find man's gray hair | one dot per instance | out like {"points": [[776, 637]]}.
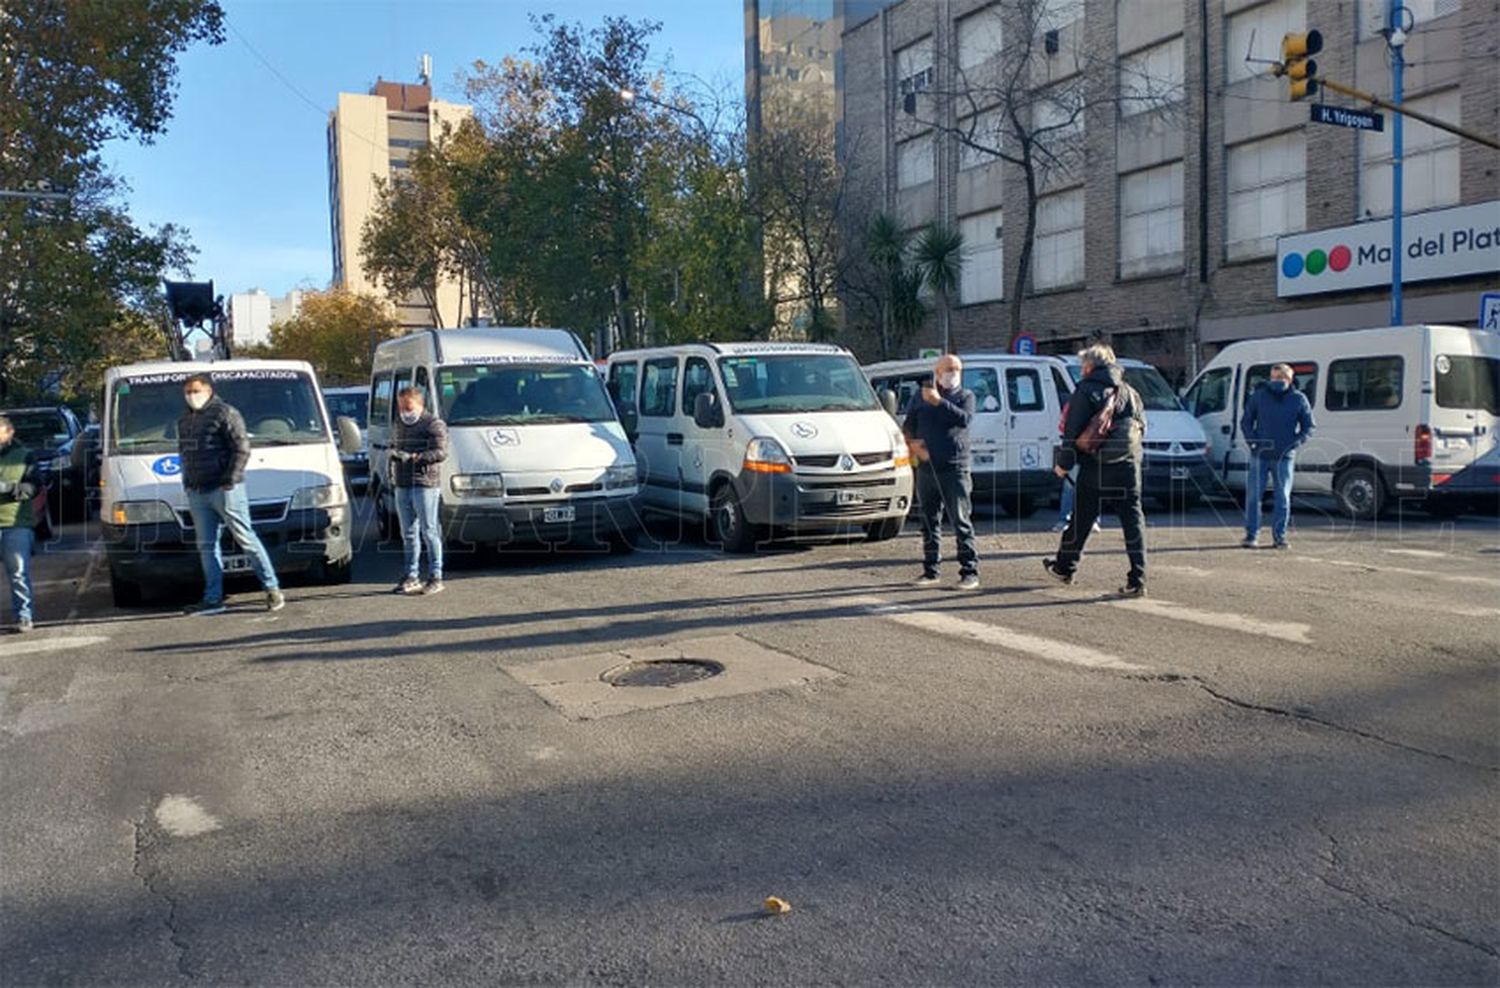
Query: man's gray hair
{"points": [[1285, 370], [1097, 354]]}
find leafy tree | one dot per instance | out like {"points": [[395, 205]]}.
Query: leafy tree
{"points": [[336, 331], [938, 254], [898, 283]]}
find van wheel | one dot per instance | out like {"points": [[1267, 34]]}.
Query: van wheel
{"points": [[882, 531], [383, 523], [1019, 505], [126, 594], [727, 522], [333, 574], [1360, 492], [1439, 506]]}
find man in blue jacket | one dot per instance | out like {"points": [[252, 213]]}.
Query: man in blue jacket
{"points": [[937, 427], [1277, 420]]}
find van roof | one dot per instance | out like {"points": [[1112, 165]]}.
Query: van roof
{"points": [[895, 365], [189, 367], [744, 348], [1356, 335], [506, 342]]}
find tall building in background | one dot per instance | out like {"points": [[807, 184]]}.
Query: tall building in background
{"points": [[253, 313], [373, 137]]}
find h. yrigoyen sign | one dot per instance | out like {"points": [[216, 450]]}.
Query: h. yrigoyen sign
{"points": [[1443, 243]]}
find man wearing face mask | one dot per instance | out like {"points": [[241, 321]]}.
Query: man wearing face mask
{"points": [[214, 447], [1277, 420], [419, 443], [937, 427], [18, 486]]}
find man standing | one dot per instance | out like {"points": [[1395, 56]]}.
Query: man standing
{"points": [[937, 426], [419, 443], [18, 485], [214, 448], [1110, 473], [1277, 420]]}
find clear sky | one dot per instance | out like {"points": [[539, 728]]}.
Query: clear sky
{"points": [[243, 165]]}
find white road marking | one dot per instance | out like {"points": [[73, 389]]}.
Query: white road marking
{"points": [[32, 646], [181, 816], [1483, 581], [1291, 631], [1423, 553]]}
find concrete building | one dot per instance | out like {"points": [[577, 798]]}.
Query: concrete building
{"points": [[253, 313], [1172, 230], [372, 137]]}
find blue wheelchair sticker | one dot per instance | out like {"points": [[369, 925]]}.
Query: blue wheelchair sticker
{"points": [[167, 466]]}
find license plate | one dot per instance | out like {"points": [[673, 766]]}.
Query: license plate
{"points": [[236, 564], [1180, 473], [983, 459], [552, 515], [850, 497]]}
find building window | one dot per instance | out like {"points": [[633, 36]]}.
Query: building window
{"points": [[1057, 113], [914, 68], [1364, 384], [983, 277], [402, 142], [914, 162], [1151, 221], [1054, 15], [1430, 164], [1267, 194], [986, 129], [1152, 78], [1057, 256], [980, 37], [1374, 15], [401, 163], [1264, 25]]}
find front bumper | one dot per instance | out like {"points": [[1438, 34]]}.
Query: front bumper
{"points": [[595, 520], [821, 502], [301, 540], [991, 485], [356, 471], [1174, 476]]}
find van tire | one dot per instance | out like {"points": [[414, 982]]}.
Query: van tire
{"points": [[885, 530], [125, 594], [1018, 505], [383, 521], [727, 524], [1360, 492], [334, 574]]}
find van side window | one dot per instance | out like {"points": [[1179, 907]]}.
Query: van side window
{"points": [[403, 378], [380, 398], [1364, 384], [425, 388], [697, 379], [622, 381], [1305, 379], [1023, 390], [1060, 385], [985, 384], [1210, 393], [659, 387]]}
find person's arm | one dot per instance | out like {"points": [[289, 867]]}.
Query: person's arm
{"points": [[960, 412], [437, 443], [1305, 424], [236, 439], [30, 481], [1250, 421], [1080, 410]]}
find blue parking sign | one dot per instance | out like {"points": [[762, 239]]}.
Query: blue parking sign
{"points": [[1023, 343]]}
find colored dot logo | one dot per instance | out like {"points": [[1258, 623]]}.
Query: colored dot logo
{"points": [[1315, 262]]}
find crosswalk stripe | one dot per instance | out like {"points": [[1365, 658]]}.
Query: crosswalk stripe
{"points": [[1298, 634], [32, 646], [1422, 553], [1482, 581]]}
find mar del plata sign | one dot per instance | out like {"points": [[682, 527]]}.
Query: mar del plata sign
{"points": [[1441, 243]]}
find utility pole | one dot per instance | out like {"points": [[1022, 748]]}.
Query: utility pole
{"points": [[1396, 39]]}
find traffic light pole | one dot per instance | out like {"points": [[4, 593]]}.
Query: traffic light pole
{"points": [[1396, 38]]}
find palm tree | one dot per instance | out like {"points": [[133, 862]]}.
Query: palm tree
{"points": [[939, 256], [885, 247]]}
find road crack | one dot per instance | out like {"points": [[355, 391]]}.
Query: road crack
{"points": [[1309, 718], [145, 868]]}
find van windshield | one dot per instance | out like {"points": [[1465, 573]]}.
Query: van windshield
{"points": [[349, 405], [522, 394], [1471, 383], [796, 383], [1153, 389], [280, 408]]}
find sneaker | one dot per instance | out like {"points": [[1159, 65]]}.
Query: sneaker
{"points": [[205, 608], [925, 580], [24, 625], [1280, 544], [275, 600], [1133, 590], [1050, 565], [410, 585], [1098, 527], [1061, 526], [970, 582], [434, 585], [1250, 542]]}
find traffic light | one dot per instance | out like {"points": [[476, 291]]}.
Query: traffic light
{"points": [[1301, 71]]}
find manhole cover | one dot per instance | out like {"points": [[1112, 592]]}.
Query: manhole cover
{"points": [[662, 672]]}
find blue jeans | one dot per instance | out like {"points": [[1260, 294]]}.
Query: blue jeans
{"points": [[212, 512], [15, 546], [417, 510], [1280, 470], [1065, 501], [942, 492]]}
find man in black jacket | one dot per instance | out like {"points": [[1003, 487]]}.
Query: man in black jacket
{"points": [[1109, 474], [937, 426], [419, 444], [214, 447]]}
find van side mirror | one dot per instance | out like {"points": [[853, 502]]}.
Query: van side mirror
{"points": [[707, 413], [350, 441], [888, 402]]}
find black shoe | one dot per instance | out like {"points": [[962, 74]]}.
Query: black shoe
{"points": [[205, 608], [1050, 565], [1133, 590], [1282, 544]]}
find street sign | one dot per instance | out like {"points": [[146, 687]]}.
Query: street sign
{"points": [[1340, 117], [1489, 311], [929, 353], [1023, 343]]}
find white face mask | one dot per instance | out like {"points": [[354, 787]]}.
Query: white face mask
{"points": [[197, 399], [948, 381], [410, 418]]}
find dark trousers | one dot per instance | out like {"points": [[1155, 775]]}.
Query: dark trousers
{"points": [[1101, 485], [940, 492]]}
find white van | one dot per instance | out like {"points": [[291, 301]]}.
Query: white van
{"points": [[298, 503], [1175, 470], [354, 405], [1018, 404], [536, 453], [1402, 412], [756, 437]]}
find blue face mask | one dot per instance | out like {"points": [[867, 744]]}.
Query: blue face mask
{"points": [[1279, 386]]}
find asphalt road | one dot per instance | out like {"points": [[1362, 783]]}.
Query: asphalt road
{"points": [[1280, 768]]}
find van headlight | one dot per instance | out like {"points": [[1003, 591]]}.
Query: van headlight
{"points": [[477, 484], [766, 455], [324, 496], [617, 477], [900, 452], [141, 513]]}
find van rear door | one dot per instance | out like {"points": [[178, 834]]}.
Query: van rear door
{"points": [[1465, 402]]}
